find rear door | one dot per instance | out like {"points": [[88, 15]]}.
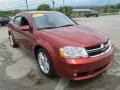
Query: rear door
{"points": [[15, 28]]}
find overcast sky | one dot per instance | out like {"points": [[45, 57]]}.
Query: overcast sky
{"points": [[20, 4]]}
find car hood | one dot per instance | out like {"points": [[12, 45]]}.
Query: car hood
{"points": [[77, 35]]}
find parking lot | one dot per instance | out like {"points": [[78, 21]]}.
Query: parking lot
{"points": [[18, 69]]}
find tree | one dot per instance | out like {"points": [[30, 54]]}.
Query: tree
{"points": [[110, 9], [9, 12], [118, 6], [44, 7], [105, 9], [67, 10]]}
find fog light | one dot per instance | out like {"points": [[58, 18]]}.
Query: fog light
{"points": [[75, 74]]}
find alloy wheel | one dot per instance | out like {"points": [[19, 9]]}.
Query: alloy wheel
{"points": [[43, 62]]}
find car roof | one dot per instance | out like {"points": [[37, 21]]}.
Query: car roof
{"points": [[36, 12]]}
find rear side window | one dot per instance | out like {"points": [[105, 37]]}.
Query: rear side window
{"points": [[18, 21]]}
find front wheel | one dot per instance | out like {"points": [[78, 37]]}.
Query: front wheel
{"points": [[45, 63]]}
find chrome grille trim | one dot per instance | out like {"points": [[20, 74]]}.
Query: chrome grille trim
{"points": [[101, 49]]}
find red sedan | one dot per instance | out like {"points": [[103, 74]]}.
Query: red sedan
{"points": [[60, 45]]}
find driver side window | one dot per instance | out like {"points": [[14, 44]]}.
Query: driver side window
{"points": [[24, 21]]}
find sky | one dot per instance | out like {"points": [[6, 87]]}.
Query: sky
{"points": [[20, 4]]}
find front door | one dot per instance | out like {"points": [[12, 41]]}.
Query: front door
{"points": [[26, 37]]}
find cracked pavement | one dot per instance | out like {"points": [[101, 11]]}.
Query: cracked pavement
{"points": [[18, 70]]}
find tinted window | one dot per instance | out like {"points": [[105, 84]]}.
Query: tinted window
{"points": [[18, 21], [24, 21]]}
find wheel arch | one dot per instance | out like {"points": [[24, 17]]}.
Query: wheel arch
{"points": [[49, 49]]}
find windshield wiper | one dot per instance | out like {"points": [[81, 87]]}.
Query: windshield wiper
{"points": [[47, 27], [67, 25], [56, 27]]}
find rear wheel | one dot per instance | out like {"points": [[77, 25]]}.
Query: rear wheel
{"points": [[12, 41], [45, 63]]}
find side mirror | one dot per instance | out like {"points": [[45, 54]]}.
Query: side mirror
{"points": [[25, 28]]}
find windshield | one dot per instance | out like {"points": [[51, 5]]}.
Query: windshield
{"points": [[52, 20]]}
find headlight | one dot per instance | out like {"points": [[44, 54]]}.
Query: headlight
{"points": [[73, 52]]}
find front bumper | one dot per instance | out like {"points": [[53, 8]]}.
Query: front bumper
{"points": [[91, 74], [84, 68]]}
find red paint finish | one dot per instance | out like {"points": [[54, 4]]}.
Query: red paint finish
{"points": [[54, 39], [89, 65]]}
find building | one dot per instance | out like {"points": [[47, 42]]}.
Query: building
{"points": [[77, 13]]}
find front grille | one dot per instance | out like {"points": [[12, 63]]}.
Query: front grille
{"points": [[98, 49], [93, 47]]}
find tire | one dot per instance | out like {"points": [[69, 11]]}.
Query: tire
{"points": [[12, 41], [45, 63], [2, 24]]}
